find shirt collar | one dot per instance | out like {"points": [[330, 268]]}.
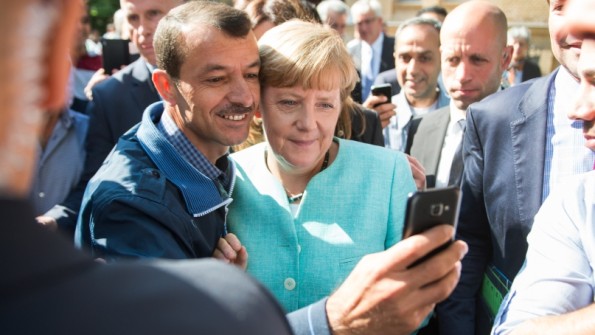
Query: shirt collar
{"points": [[201, 194], [182, 144]]}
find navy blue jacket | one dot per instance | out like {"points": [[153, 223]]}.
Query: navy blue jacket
{"points": [[147, 201]]}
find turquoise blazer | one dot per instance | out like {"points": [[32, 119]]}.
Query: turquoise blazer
{"points": [[353, 208]]}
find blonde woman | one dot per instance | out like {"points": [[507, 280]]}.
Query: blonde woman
{"points": [[308, 205]]}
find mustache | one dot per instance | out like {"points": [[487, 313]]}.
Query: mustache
{"points": [[237, 109]]}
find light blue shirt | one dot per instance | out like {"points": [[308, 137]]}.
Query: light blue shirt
{"points": [[565, 151], [395, 134], [60, 163], [558, 274]]}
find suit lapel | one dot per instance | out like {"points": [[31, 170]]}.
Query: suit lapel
{"points": [[528, 146], [143, 92], [429, 138]]}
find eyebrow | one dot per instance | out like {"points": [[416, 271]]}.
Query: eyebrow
{"points": [[217, 67]]}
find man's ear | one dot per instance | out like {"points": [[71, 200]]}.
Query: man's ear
{"points": [[507, 56], [165, 86], [60, 43]]}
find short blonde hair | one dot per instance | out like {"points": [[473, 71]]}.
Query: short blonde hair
{"points": [[298, 53]]}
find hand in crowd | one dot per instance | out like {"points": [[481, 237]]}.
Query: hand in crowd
{"points": [[382, 106], [419, 173], [382, 296], [48, 222], [97, 78], [230, 250]]}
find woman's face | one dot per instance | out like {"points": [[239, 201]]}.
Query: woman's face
{"points": [[299, 124]]}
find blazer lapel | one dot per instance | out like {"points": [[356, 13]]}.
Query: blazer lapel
{"points": [[143, 92], [528, 139], [429, 138]]}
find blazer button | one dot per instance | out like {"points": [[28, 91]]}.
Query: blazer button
{"points": [[155, 173], [289, 284]]}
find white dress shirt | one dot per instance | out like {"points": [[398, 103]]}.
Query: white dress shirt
{"points": [[557, 277], [454, 136]]}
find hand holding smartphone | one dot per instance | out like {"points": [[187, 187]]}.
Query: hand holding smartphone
{"points": [[115, 54], [382, 90], [426, 209]]}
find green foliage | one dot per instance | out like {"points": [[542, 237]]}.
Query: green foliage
{"points": [[102, 12]]}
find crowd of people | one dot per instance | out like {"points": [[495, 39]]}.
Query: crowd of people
{"points": [[245, 158]]}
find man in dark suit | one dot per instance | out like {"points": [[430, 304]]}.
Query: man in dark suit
{"points": [[519, 146], [117, 105], [474, 54], [372, 51], [521, 67]]}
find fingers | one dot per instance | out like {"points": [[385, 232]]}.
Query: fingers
{"points": [[385, 112], [418, 172], [374, 100], [48, 222], [442, 288], [407, 251], [439, 265], [230, 250]]}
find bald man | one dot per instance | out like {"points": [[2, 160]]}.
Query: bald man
{"points": [[560, 259], [519, 145], [473, 56]]}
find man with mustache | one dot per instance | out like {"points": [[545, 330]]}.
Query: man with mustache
{"points": [[519, 146], [163, 191], [561, 243]]}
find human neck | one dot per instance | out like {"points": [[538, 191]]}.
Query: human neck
{"points": [[295, 181], [422, 101]]}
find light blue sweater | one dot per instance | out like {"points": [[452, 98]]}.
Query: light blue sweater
{"points": [[354, 207]]}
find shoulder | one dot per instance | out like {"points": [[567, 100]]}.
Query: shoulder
{"points": [[122, 78]]}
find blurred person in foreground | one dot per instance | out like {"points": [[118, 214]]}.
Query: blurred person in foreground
{"points": [[560, 257], [46, 285], [117, 104]]}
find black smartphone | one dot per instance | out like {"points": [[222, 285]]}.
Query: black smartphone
{"points": [[115, 54], [382, 89], [426, 209]]}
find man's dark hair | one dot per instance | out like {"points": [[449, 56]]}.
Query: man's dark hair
{"points": [[432, 9], [169, 40]]}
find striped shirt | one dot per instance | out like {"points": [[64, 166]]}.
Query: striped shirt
{"points": [[218, 172], [565, 152]]}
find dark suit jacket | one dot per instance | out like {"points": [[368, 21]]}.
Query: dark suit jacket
{"points": [[48, 286], [118, 104], [530, 71], [365, 126], [504, 153], [387, 61], [425, 141], [389, 77]]}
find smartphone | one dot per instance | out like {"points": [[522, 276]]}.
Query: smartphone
{"points": [[382, 89], [115, 54], [426, 209]]}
